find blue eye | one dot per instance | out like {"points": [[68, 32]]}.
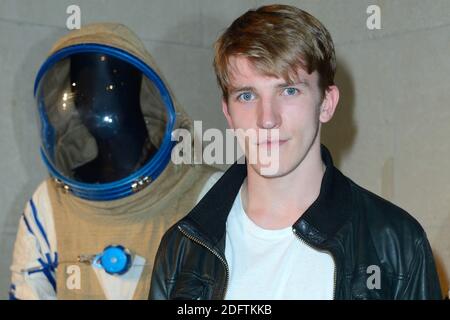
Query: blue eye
{"points": [[246, 96], [290, 92]]}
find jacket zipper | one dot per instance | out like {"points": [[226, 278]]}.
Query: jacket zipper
{"points": [[334, 261], [213, 252]]}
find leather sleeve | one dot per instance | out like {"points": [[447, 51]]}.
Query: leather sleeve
{"points": [[158, 286], [423, 281]]}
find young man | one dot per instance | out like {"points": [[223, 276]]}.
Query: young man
{"points": [[305, 231]]}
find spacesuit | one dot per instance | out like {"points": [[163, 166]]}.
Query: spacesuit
{"points": [[106, 118]]}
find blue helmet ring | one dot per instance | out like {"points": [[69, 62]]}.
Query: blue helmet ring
{"points": [[94, 141]]}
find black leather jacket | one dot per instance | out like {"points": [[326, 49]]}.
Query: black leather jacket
{"points": [[358, 228]]}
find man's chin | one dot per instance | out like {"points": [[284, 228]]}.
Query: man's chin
{"points": [[269, 171]]}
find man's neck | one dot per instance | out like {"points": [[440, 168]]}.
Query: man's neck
{"points": [[276, 203]]}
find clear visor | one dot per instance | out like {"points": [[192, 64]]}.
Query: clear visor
{"points": [[101, 119]]}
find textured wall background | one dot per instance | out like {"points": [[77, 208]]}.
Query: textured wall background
{"points": [[390, 134]]}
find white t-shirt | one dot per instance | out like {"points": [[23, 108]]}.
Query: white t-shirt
{"points": [[273, 264]]}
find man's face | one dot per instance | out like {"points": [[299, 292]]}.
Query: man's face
{"points": [[267, 104]]}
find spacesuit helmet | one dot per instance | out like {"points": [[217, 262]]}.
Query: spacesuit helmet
{"points": [[106, 119]]}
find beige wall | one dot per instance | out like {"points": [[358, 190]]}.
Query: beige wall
{"points": [[390, 134]]}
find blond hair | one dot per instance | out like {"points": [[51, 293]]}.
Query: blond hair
{"points": [[277, 39]]}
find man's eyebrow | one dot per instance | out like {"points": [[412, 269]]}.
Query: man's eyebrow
{"points": [[302, 82], [240, 89]]}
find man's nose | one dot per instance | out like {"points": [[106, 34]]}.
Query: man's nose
{"points": [[268, 114]]}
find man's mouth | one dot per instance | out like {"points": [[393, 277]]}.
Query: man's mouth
{"points": [[272, 142]]}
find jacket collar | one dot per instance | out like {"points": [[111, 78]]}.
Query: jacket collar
{"points": [[319, 222], [332, 208]]}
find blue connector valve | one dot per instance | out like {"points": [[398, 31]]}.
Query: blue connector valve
{"points": [[115, 260]]}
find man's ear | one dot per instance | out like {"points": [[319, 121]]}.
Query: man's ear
{"points": [[227, 113], [329, 104]]}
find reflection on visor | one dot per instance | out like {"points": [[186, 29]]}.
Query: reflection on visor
{"points": [[107, 120]]}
